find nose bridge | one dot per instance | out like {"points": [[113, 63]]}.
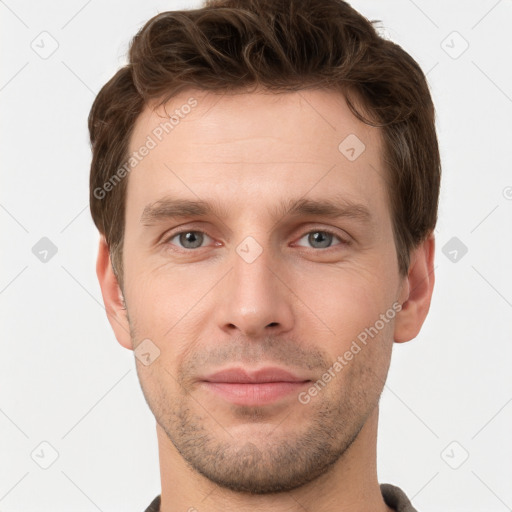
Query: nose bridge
{"points": [[252, 277], [255, 300]]}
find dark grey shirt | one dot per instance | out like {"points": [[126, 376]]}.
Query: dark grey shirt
{"points": [[393, 496]]}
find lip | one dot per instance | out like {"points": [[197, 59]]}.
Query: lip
{"points": [[263, 375], [241, 386]]}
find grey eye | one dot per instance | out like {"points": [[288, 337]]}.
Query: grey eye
{"points": [[320, 239], [189, 239]]}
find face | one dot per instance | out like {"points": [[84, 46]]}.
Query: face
{"points": [[259, 261]]}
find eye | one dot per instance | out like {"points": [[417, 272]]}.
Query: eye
{"points": [[188, 239], [321, 239]]}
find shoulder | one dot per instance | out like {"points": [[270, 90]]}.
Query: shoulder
{"points": [[395, 498], [155, 505]]}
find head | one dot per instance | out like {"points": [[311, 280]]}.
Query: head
{"points": [[265, 178]]}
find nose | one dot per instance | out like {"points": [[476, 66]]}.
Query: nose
{"points": [[254, 300]]}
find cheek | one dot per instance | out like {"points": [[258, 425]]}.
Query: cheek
{"points": [[351, 306], [165, 306], [158, 298], [345, 299]]}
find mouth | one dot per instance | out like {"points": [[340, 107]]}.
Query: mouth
{"points": [[254, 388]]}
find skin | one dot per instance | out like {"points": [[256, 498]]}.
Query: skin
{"points": [[299, 305]]}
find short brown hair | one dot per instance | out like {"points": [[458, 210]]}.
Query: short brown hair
{"points": [[281, 45]]}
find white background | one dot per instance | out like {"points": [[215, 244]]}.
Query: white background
{"points": [[65, 380]]}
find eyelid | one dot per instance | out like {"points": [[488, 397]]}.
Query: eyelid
{"points": [[343, 240], [167, 237]]}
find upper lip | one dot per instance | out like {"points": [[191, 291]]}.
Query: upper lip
{"points": [[242, 375]]}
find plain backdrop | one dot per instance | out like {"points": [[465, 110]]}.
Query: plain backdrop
{"points": [[69, 395]]}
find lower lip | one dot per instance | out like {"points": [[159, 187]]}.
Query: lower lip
{"points": [[254, 393]]}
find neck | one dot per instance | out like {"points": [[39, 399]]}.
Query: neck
{"points": [[350, 485]]}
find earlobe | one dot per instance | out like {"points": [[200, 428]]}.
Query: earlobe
{"points": [[112, 296], [416, 292]]}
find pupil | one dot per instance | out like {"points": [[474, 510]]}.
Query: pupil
{"points": [[320, 238], [191, 240]]}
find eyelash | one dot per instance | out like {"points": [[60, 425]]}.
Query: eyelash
{"points": [[342, 241]]}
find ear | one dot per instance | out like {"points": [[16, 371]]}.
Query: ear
{"points": [[112, 296], [416, 292]]}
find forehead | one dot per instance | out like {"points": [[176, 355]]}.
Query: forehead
{"points": [[238, 146]]}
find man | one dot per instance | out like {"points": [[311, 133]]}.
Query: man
{"points": [[265, 179]]}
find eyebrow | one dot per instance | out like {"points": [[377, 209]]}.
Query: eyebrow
{"points": [[174, 208]]}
